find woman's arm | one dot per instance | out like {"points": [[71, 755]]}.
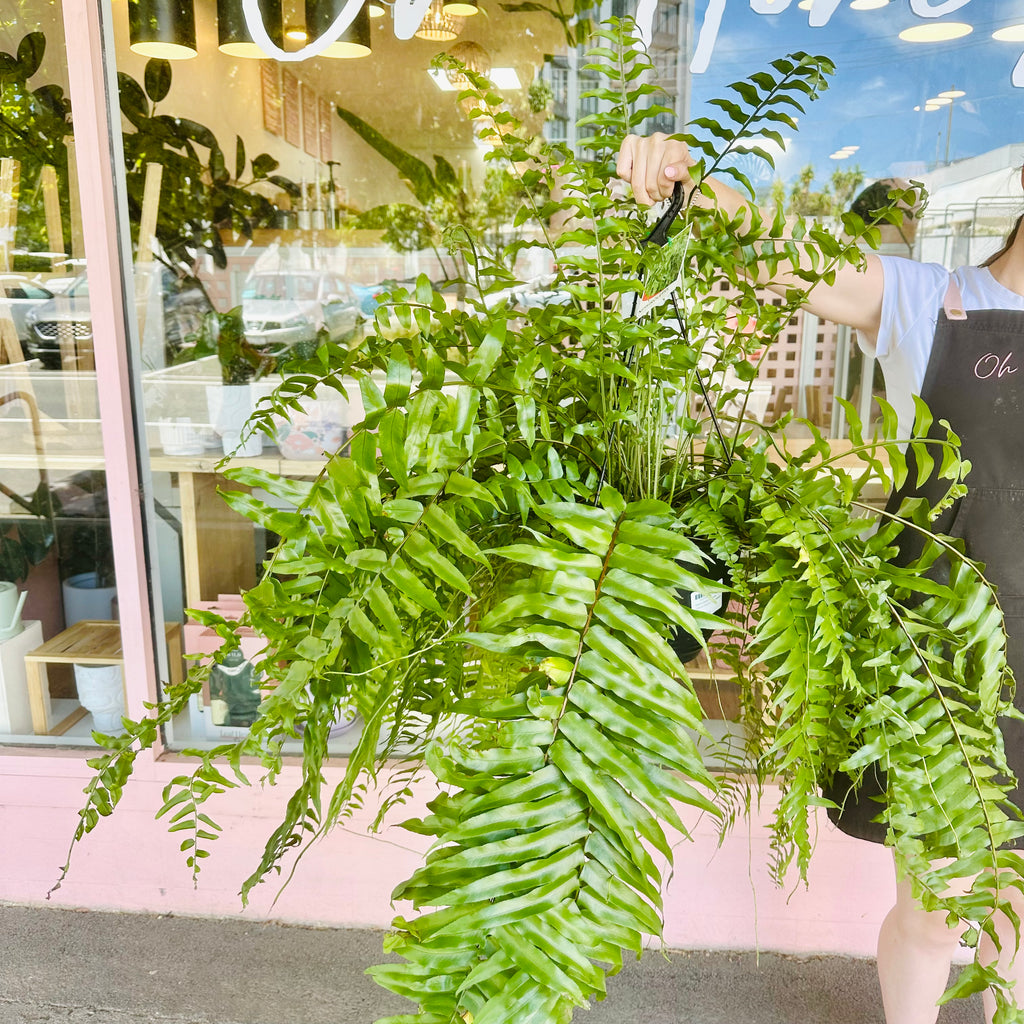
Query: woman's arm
{"points": [[654, 164]]}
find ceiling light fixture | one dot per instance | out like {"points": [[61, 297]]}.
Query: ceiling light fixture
{"points": [[461, 8], [296, 33], [936, 32], [1010, 34], [933, 106], [233, 34], [438, 26], [952, 94], [839, 155], [501, 78], [353, 42], [473, 57], [868, 5], [162, 28], [939, 101], [377, 10], [805, 5]]}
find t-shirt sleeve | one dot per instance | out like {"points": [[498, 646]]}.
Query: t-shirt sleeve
{"points": [[912, 295]]}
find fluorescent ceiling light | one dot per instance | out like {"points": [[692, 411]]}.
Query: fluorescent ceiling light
{"points": [[952, 94], [848, 149], [867, 5], [1010, 34], [840, 155], [441, 80], [936, 32], [939, 101], [933, 106], [505, 78], [502, 78]]}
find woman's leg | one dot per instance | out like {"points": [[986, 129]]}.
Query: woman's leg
{"points": [[1011, 963], [915, 949]]}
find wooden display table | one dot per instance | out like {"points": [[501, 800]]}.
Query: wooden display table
{"points": [[90, 642]]}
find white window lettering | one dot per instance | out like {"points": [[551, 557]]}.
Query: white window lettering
{"points": [[407, 15], [645, 19], [821, 12], [924, 9], [254, 23], [707, 38], [1018, 73], [769, 6]]}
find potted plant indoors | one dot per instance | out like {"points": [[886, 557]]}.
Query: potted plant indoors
{"points": [[491, 571], [231, 403]]}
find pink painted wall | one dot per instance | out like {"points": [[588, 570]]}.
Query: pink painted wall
{"points": [[716, 899]]}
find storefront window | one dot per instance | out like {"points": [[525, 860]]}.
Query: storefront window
{"points": [[272, 202], [60, 646]]}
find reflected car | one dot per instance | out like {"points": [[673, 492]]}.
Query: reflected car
{"points": [[63, 319], [281, 309], [18, 295], [67, 318]]}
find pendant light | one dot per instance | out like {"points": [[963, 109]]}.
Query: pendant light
{"points": [[461, 8], [233, 36], [438, 26], [354, 41], [162, 28], [473, 57]]}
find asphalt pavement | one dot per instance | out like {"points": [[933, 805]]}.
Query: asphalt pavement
{"points": [[62, 966]]}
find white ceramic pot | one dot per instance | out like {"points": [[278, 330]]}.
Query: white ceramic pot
{"points": [[180, 436], [230, 406], [84, 598], [101, 693]]}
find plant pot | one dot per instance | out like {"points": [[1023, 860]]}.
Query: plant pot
{"points": [[101, 693], [319, 430], [180, 436], [230, 406], [84, 598], [685, 644]]}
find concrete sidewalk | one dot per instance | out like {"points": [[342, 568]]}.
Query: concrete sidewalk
{"points": [[86, 967]]}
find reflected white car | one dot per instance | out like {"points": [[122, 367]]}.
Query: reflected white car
{"points": [[19, 294], [281, 309]]}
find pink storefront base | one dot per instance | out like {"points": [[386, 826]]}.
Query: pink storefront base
{"points": [[717, 898]]}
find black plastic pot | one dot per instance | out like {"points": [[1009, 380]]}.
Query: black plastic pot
{"points": [[685, 644]]}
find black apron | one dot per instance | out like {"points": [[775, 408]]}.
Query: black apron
{"points": [[975, 381]]}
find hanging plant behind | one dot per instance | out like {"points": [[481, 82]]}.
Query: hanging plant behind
{"points": [[492, 570]]}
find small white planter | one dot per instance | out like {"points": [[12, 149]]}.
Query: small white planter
{"points": [[101, 693], [84, 598], [230, 406], [180, 436]]}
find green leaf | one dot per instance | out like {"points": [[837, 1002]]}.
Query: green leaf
{"points": [[157, 79]]}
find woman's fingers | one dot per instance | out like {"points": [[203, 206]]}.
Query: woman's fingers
{"points": [[653, 165]]}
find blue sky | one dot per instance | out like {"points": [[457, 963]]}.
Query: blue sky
{"points": [[879, 80]]}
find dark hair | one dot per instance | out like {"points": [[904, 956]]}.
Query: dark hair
{"points": [[1008, 244]]}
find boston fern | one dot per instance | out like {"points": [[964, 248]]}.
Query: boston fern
{"points": [[493, 569]]}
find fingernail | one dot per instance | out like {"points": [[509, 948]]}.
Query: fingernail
{"points": [[670, 172]]}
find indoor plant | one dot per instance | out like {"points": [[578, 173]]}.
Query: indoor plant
{"points": [[490, 570], [230, 403]]}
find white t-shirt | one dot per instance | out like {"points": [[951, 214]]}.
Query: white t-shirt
{"points": [[911, 300]]}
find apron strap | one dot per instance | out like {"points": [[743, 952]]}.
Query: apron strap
{"points": [[953, 303]]}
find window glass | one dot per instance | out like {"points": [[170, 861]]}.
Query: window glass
{"points": [[272, 203], [292, 195], [60, 672]]}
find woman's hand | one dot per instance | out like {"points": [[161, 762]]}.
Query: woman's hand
{"points": [[653, 165]]}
